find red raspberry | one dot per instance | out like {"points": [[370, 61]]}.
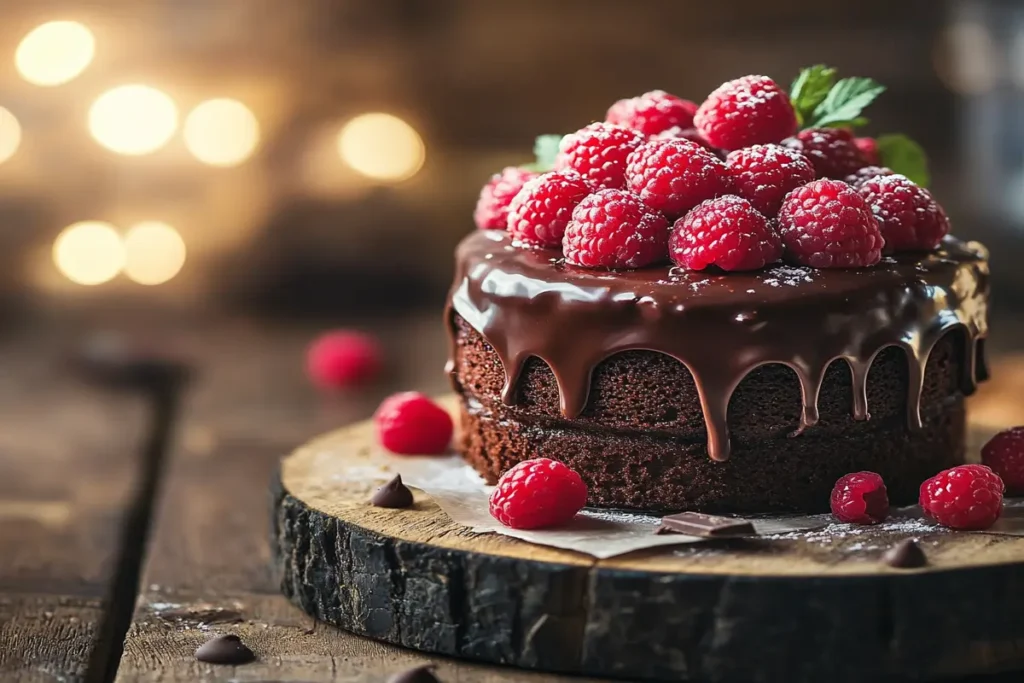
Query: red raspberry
{"points": [[538, 493], [652, 112], [409, 423], [492, 208], [598, 153], [1004, 453], [869, 150], [673, 176], [964, 497], [747, 111], [726, 232], [867, 173], [539, 213], [826, 224], [343, 358], [765, 174], [614, 229], [831, 150], [691, 134], [860, 498], [911, 220]]}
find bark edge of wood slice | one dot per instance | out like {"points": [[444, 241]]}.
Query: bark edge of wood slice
{"points": [[738, 613]]}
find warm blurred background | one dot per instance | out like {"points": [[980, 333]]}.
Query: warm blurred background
{"points": [[323, 156]]}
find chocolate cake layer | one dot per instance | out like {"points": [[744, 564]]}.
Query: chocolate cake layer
{"points": [[638, 377]]}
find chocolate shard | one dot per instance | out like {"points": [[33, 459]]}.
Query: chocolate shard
{"points": [[393, 494], [906, 554], [706, 526], [225, 649], [419, 674]]}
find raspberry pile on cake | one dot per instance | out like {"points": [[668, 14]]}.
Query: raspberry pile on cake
{"points": [[722, 307]]}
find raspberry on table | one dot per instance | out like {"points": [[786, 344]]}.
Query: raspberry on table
{"points": [[827, 224], [538, 493], [1004, 453], [860, 498], [652, 112], [748, 111], [964, 497], [614, 229], [673, 176], [409, 423], [343, 358], [726, 232], [869, 150], [910, 218], [539, 213], [867, 173], [598, 152], [765, 174], [492, 207], [831, 150]]}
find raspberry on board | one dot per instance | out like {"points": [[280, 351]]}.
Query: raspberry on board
{"points": [[492, 207], [538, 493], [726, 232], [860, 498], [765, 174], [653, 112], [910, 218], [1004, 453], [409, 423], [539, 213], [965, 497], [614, 229], [343, 358], [867, 173], [748, 111], [831, 150], [827, 224], [673, 176], [869, 150], [598, 152]]}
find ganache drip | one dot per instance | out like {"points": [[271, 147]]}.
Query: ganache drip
{"points": [[530, 303]]}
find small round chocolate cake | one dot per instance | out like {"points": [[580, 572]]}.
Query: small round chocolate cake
{"points": [[671, 389]]}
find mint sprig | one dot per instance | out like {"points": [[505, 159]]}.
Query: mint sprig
{"points": [[545, 149], [821, 101], [809, 90], [904, 156]]}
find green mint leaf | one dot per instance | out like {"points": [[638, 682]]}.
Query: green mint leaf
{"points": [[545, 148], [845, 102], [904, 156], [810, 88]]}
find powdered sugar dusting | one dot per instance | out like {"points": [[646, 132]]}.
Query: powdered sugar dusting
{"points": [[787, 276]]}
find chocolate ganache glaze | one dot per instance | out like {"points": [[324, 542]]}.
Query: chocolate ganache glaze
{"points": [[528, 302]]}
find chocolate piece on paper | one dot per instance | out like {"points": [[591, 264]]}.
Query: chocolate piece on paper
{"points": [[705, 526], [906, 554]]}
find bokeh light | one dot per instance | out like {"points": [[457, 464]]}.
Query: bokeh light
{"points": [[154, 253], [10, 135], [966, 58], [133, 119], [89, 253], [381, 146], [54, 53], [221, 132]]}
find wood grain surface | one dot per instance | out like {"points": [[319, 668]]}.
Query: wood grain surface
{"points": [[70, 470]]}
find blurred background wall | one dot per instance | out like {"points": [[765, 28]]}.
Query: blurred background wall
{"points": [[323, 156]]}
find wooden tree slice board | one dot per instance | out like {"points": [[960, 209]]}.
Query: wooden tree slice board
{"points": [[806, 609]]}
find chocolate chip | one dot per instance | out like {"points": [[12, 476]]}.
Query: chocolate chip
{"points": [[393, 494], [224, 649], [419, 674], [906, 554]]}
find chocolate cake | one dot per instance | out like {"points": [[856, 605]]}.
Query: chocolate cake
{"points": [[669, 389]]}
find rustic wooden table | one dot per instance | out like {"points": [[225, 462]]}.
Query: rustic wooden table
{"points": [[133, 523]]}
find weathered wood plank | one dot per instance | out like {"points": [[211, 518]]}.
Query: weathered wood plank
{"points": [[69, 476], [208, 569]]}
